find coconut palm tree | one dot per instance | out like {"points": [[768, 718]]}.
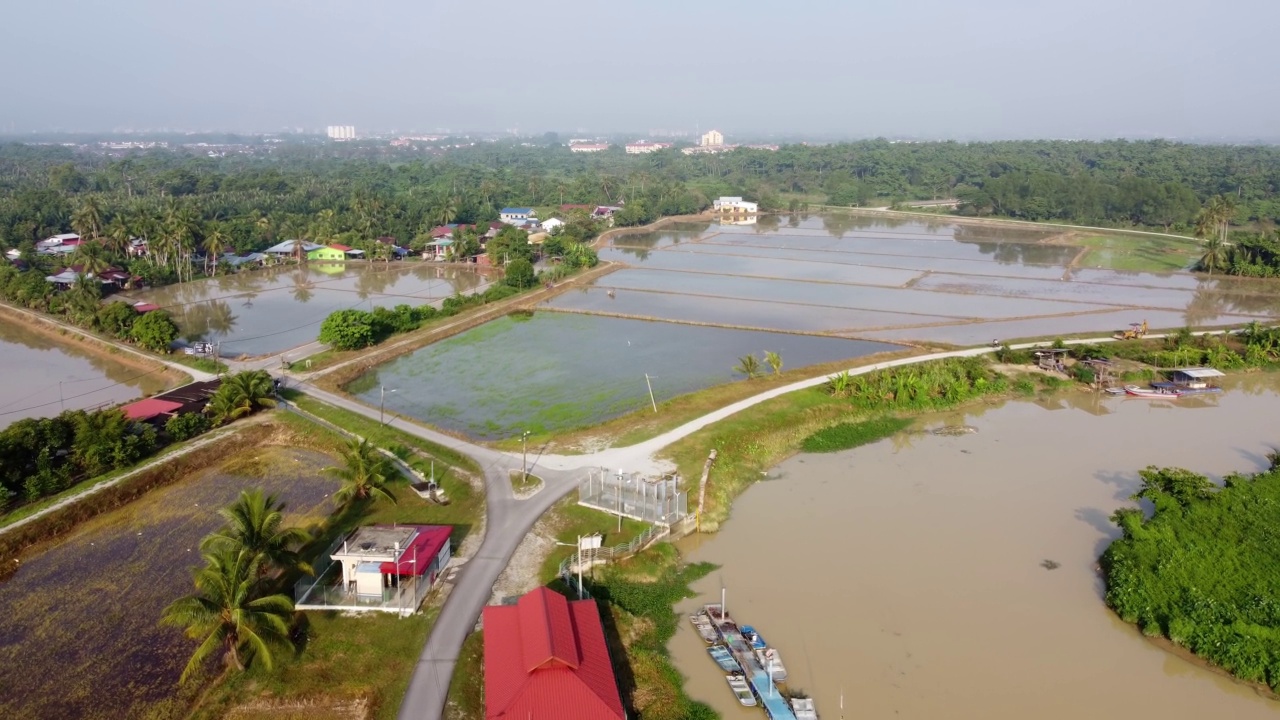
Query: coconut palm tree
{"points": [[254, 523], [748, 365], [92, 258], [117, 236], [774, 361], [87, 219], [241, 394], [364, 473], [230, 612], [1212, 225], [215, 243]]}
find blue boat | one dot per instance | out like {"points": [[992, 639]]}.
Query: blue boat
{"points": [[751, 636], [724, 658]]}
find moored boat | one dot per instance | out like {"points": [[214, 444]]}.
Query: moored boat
{"points": [[741, 689], [724, 658], [804, 708], [702, 624], [771, 661], [1151, 393], [751, 636]]}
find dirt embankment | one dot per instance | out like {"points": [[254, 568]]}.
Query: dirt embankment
{"points": [[88, 342]]}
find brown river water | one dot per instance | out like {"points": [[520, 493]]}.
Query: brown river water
{"points": [[908, 574]]}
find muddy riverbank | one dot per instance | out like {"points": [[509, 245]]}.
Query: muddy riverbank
{"points": [[937, 576]]}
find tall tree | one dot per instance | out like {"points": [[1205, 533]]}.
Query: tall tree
{"points": [[364, 473], [231, 612], [87, 219], [255, 523]]}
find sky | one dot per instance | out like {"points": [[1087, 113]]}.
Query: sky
{"points": [[980, 69]]}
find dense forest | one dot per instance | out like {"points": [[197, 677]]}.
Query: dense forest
{"points": [[349, 193]]}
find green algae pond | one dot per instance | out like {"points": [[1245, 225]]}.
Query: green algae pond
{"points": [[555, 371]]}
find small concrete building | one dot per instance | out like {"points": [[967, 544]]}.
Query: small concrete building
{"points": [[375, 559], [735, 206], [515, 215], [328, 253]]}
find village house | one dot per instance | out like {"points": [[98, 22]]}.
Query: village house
{"points": [[289, 248], [156, 410], [51, 244], [328, 253], [734, 206], [551, 224], [545, 657], [515, 215], [388, 564]]}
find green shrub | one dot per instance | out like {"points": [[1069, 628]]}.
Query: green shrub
{"points": [[1024, 386], [347, 330], [187, 425], [850, 435], [154, 331]]}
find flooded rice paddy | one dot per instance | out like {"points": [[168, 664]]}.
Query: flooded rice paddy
{"points": [[266, 311], [78, 623], [911, 574], [43, 376], [901, 280], [560, 370]]}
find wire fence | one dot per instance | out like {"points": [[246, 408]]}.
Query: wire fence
{"points": [[592, 556], [653, 500]]}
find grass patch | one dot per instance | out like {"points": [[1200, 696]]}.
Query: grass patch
{"points": [[204, 364], [466, 689], [846, 435], [572, 520], [1138, 252], [1201, 570]]}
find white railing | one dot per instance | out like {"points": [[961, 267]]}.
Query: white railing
{"points": [[595, 556]]}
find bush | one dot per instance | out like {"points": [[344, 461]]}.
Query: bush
{"points": [[1083, 373], [154, 331], [520, 274], [347, 330], [851, 435], [187, 425]]}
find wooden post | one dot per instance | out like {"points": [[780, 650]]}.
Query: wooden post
{"points": [[702, 485]]}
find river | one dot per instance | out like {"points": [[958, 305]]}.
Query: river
{"points": [[911, 574]]}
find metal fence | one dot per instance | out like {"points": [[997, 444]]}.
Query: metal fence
{"points": [[324, 591], [652, 500], [593, 556]]}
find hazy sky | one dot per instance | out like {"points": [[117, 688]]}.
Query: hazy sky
{"points": [[935, 68]]}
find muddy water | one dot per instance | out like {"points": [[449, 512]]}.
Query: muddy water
{"points": [[43, 376], [258, 312], [909, 572]]}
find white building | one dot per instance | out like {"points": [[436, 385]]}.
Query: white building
{"points": [[341, 132], [588, 147], [644, 147], [515, 215], [551, 224], [376, 559], [735, 206], [711, 138]]}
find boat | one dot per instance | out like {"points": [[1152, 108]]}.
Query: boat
{"points": [[1115, 391], [702, 624], [1151, 393], [724, 658], [741, 689], [751, 636], [1193, 389], [771, 661], [804, 709]]}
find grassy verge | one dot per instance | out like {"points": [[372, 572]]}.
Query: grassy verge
{"points": [[204, 364], [846, 435], [572, 520], [466, 689]]}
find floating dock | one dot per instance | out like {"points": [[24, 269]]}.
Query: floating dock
{"points": [[775, 702]]}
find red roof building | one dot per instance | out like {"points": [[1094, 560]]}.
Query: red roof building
{"points": [[150, 409], [545, 658], [340, 246]]}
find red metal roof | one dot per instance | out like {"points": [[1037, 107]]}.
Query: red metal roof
{"points": [[423, 547], [149, 408], [545, 657], [339, 246]]}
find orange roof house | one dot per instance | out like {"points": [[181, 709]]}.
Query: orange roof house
{"points": [[545, 658]]}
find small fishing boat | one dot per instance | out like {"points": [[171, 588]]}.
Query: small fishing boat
{"points": [[751, 636], [702, 624], [724, 658], [804, 709], [1115, 391], [771, 661], [1196, 389], [1151, 393], [741, 689]]}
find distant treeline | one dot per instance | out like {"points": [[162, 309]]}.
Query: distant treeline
{"points": [[323, 191]]}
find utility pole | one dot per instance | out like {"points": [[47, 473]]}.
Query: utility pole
{"points": [[652, 402], [618, 499], [382, 404], [524, 457]]}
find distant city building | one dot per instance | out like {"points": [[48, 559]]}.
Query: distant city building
{"points": [[341, 132], [711, 138], [588, 147], [644, 147]]}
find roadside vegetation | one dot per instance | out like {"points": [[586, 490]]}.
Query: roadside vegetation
{"points": [[1201, 571], [848, 435]]}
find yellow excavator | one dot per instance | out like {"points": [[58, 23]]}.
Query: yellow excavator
{"points": [[1135, 331]]}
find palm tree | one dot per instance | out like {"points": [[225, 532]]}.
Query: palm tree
{"points": [[774, 361], [1212, 224], [748, 365], [215, 243], [92, 258], [117, 237], [241, 394], [87, 219], [364, 473], [229, 611], [254, 524]]}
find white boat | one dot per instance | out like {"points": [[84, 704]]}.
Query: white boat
{"points": [[804, 709], [741, 689], [1151, 393], [702, 624], [771, 661]]}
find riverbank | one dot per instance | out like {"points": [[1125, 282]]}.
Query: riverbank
{"points": [[1001, 528]]}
